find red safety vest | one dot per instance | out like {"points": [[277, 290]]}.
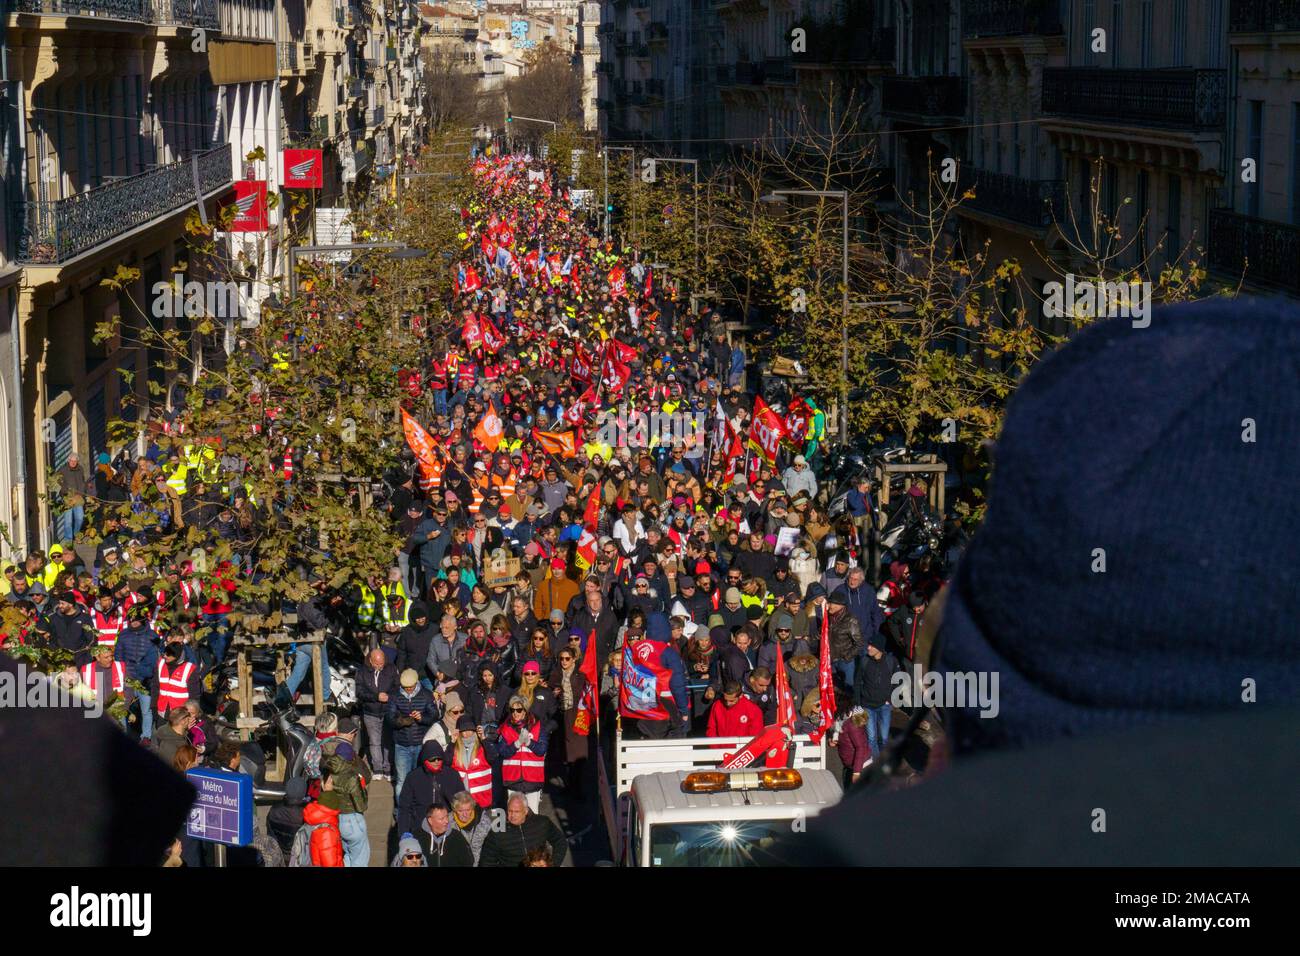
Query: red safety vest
{"points": [[90, 677], [173, 686], [644, 681], [477, 776], [438, 376], [491, 373], [524, 765], [465, 377], [107, 626]]}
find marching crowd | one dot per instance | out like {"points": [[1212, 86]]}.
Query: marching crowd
{"points": [[600, 522]]}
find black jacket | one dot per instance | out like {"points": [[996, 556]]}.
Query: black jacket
{"points": [[423, 789], [413, 647], [455, 849], [509, 846], [371, 683], [873, 680]]}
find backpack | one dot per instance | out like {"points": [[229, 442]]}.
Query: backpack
{"points": [[300, 852]]}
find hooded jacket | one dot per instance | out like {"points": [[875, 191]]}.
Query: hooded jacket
{"points": [[453, 850], [413, 642], [408, 732], [424, 787]]}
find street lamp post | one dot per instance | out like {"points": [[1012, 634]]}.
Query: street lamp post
{"points": [[695, 166], [843, 196]]}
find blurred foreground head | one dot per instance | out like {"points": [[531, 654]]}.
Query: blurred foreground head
{"points": [[1139, 558]]}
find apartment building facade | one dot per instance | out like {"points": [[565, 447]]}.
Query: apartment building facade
{"points": [[120, 118], [1159, 102]]}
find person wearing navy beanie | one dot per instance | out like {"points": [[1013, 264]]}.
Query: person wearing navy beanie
{"points": [[1135, 591]]}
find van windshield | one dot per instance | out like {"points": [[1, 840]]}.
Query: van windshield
{"points": [[717, 842]]}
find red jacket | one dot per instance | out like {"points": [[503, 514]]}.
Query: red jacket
{"points": [[743, 720], [854, 748], [326, 844]]}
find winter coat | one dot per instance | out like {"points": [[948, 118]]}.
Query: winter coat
{"points": [[326, 844], [452, 851], [575, 744], [371, 683], [736, 664], [845, 637], [351, 780], [508, 847], [801, 671], [477, 831], [873, 680], [422, 789], [853, 747], [408, 732], [442, 655], [413, 646]]}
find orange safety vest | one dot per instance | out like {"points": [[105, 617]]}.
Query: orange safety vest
{"points": [[107, 626], [173, 686], [524, 765], [90, 677], [476, 776]]}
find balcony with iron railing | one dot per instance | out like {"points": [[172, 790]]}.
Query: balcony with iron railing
{"points": [[1002, 18], [287, 57], [375, 117], [638, 50], [56, 230], [1030, 202], [187, 13], [182, 13], [924, 97], [1266, 251], [1188, 99], [140, 11], [1264, 16]]}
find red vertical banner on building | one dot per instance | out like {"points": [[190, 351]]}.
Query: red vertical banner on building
{"points": [[303, 168], [250, 206]]}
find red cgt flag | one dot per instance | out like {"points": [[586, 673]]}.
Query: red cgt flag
{"points": [[825, 682], [766, 431], [589, 703]]}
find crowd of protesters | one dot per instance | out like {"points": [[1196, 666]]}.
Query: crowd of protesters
{"points": [[544, 534]]}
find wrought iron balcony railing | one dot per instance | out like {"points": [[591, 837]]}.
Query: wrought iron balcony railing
{"points": [[932, 97], [1264, 16], [1178, 98], [375, 117], [137, 10], [56, 230], [1265, 250], [1032, 202], [187, 13], [1000, 18], [287, 55]]}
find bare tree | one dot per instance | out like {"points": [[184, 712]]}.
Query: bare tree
{"points": [[549, 87]]}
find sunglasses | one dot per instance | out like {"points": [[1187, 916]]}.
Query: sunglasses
{"points": [[565, 659], [516, 710], [457, 710]]}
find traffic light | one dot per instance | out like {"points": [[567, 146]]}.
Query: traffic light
{"points": [[510, 117], [609, 208]]}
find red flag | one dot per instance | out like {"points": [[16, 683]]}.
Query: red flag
{"points": [[472, 332], [617, 286], [766, 431], [796, 422], [591, 514], [589, 703], [472, 281], [582, 363], [649, 283], [735, 451], [586, 550], [779, 757], [768, 738], [624, 353], [493, 340], [825, 683], [613, 373]]}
